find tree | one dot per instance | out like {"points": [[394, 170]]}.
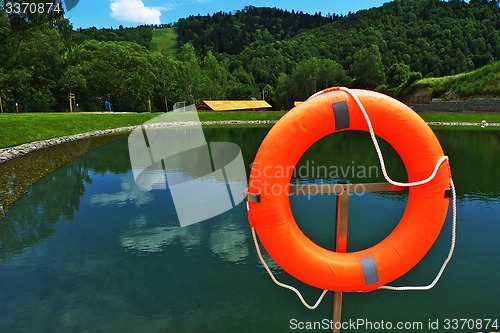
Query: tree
{"points": [[32, 49], [241, 85], [368, 69], [188, 74], [331, 74], [309, 77], [121, 72], [166, 81], [314, 75], [213, 78], [268, 93], [398, 73], [283, 94]]}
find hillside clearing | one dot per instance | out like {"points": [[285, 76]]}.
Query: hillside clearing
{"points": [[164, 40]]}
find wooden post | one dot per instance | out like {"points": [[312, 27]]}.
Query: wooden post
{"points": [[342, 191], [72, 101], [340, 246], [1, 105]]}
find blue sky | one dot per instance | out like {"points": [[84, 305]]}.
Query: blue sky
{"points": [[130, 13]]}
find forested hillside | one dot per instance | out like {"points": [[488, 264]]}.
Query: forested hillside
{"points": [[378, 48], [142, 35], [231, 33], [285, 56]]}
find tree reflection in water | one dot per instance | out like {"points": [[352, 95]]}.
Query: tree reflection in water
{"points": [[39, 208]]}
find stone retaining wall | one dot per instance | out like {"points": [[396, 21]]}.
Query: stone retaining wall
{"points": [[11, 152], [471, 105], [457, 123]]}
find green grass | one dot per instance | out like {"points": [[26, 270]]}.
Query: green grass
{"points": [[484, 81], [460, 117], [165, 40], [16, 129]]}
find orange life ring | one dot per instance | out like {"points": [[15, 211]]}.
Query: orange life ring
{"points": [[365, 270]]}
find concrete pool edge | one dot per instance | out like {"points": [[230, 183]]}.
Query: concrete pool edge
{"points": [[23, 149]]}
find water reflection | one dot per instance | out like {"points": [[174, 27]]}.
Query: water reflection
{"points": [[151, 240], [34, 217], [473, 154], [17, 175], [129, 193], [87, 250], [475, 157], [228, 242]]}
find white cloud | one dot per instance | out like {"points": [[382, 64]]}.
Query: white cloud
{"points": [[135, 11], [168, 6]]}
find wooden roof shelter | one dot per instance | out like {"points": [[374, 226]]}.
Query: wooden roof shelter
{"points": [[233, 105]]}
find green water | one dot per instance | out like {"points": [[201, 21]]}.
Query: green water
{"points": [[86, 250]]}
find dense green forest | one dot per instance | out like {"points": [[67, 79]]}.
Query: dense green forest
{"points": [[283, 56], [142, 35]]}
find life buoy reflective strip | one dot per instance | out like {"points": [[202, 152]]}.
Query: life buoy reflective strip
{"points": [[366, 270]]}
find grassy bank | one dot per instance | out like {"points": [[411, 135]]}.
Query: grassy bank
{"points": [[484, 81], [17, 129], [22, 128], [460, 117]]}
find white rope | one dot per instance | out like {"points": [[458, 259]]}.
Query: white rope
{"points": [[421, 182], [450, 254], [283, 285], [379, 152]]}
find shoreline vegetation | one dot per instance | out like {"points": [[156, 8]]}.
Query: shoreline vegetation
{"points": [[483, 82]]}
